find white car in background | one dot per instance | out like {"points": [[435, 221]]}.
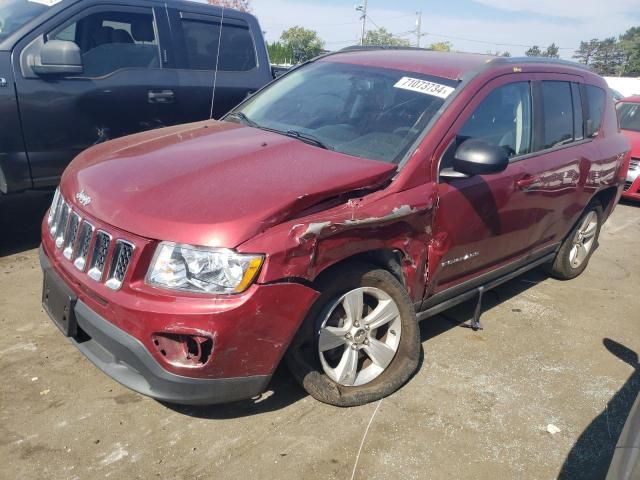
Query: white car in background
{"points": [[624, 86]]}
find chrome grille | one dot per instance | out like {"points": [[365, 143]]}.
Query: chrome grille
{"points": [[84, 243], [54, 207], [120, 264], [84, 246], [99, 256], [627, 185], [634, 164], [61, 224], [72, 234]]}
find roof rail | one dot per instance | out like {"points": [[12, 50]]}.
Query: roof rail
{"points": [[552, 61], [355, 48]]}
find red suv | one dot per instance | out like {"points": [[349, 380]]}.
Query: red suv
{"points": [[324, 217], [629, 114]]}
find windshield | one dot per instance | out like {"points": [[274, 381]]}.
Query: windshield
{"points": [[629, 115], [16, 13], [362, 111]]}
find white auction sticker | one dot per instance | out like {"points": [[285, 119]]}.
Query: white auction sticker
{"points": [[48, 3], [423, 86]]}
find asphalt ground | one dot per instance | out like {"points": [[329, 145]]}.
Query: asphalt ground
{"points": [[552, 353]]}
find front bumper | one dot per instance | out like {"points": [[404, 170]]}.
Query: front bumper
{"points": [[129, 357]]}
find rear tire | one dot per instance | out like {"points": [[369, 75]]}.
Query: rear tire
{"points": [[360, 341], [576, 250]]}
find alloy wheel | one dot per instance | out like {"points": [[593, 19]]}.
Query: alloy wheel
{"points": [[583, 240], [359, 336]]}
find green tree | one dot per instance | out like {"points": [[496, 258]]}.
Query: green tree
{"points": [[534, 52], [441, 46], [242, 5], [305, 44], [609, 58], [630, 44], [280, 53], [550, 52], [586, 51], [498, 53], [382, 36]]}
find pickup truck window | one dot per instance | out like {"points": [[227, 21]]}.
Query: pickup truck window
{"points": [[363, 111], [558, 113], [16, 13], [112, 40], [237, 51]]}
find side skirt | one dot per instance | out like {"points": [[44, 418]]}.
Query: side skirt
{"points": [[461, 293]]}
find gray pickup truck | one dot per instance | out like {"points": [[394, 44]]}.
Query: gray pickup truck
{"points": [[74, 73]]}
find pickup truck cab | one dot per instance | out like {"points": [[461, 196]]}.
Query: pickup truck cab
{"points": [[77, 73], [324, 217]]}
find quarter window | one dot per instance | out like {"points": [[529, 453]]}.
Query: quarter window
{"points": [[595, 101], [503, 119], [558, 113], [237, 51], [110, 41]]}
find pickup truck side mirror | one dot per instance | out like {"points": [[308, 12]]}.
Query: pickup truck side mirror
{"points": [[58, 57], [477, 157]]}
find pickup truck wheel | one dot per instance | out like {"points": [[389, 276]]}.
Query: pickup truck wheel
{"points": [[360, 341], [576, 250]]}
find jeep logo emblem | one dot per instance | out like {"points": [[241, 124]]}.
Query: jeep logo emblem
{"points": [[82, 198]]}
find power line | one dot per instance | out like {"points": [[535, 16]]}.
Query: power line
{"points": [[487, 42]]}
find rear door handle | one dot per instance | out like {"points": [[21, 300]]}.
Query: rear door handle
{"points": [[161, 96]]}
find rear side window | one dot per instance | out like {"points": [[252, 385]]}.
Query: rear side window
{"points": [[595, 108], [237, 50], [113, 40], [557, 105]]}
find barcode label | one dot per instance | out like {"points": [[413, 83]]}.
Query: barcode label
{"points": [[423, 86]]}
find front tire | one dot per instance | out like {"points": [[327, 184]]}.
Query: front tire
{"points": [[360, 341], [576, 250]]}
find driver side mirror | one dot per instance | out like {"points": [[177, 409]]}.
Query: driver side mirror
{"points": [[476, 157], [58, 57]]}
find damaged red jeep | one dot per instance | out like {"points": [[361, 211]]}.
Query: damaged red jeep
{"points": [[321, 219]]}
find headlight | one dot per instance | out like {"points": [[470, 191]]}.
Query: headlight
{"points": [[202, 270]]}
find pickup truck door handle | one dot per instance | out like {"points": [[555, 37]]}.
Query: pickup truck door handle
{"points": [[526, 182], [161, 96]]}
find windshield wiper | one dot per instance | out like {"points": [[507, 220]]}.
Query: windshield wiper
{"points": [[305, 137], [243, 119], [308, 138]]}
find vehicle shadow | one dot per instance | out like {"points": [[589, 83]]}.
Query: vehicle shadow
{"points": [[284, 391], [20, 218], [592, 453]]}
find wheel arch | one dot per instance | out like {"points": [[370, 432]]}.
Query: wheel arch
{"points": [[607, 198]]}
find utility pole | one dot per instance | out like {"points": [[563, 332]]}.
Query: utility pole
{"points": [[418, 28], [363, 9]]}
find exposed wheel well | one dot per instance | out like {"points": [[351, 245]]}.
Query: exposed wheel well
{"points": [[606, 198], [390, 260]]}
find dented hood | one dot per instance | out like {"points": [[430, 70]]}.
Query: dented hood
{"points": [[211, 183]]}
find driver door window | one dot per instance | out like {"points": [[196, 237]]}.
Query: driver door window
{"points": [[113, 40], [503, 119]]}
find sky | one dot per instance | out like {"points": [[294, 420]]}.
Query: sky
{"points": [[471, 25]]}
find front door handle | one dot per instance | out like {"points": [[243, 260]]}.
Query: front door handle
{"points": [[161, 96], [526, 183]]}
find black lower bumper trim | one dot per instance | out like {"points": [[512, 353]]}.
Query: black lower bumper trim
{"points": [[125, 359]]}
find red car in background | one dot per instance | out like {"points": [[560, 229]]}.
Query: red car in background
{"points": [[629, 114]]}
